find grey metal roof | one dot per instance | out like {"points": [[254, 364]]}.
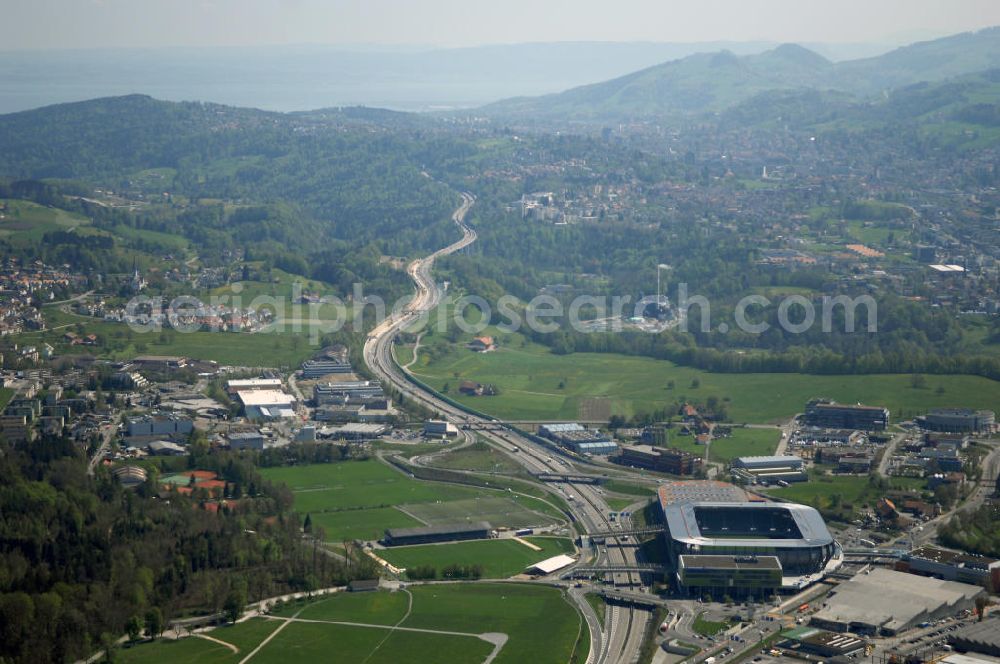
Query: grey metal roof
{"points": [[683, 525], [785, 460], [562, 427], [985, 634], [891, 599], [447, 529]]}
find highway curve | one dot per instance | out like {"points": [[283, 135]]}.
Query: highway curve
{"points": [[622, 634]]}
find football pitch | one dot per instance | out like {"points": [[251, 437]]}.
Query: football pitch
{"points": [[360, 499], [499, 558], [443, 624]]}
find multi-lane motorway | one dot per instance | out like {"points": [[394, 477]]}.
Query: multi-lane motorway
{"points": [[620, 638]]}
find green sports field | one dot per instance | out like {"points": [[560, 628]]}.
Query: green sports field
{"points": [[360, 499], [363, 524], [499, 509], [354, 484], [500, 558], [442, 625], [536, 384]]}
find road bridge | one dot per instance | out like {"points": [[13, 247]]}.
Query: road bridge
{"points": [[635, 599], [572, 479], [484, 426], [619, 532], [613, 568]]}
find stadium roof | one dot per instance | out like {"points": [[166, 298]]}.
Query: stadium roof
{"points": [[700, 491], [552, 564], [891, 600], [683, 525]]}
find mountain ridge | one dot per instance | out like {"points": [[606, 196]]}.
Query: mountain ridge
{"points": [[714, 82]]}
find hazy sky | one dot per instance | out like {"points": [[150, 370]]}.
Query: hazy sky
{"points": [[115, 23]]}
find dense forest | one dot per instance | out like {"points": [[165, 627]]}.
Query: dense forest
{"points": [[81, 558], [306, 179]]}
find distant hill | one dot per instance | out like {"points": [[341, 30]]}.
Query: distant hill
{"points": [[350, 174], [715, 82], [935, 60], [958, 111], [700, 82]]}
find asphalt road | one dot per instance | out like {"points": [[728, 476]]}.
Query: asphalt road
{"points": [[621, 636]]}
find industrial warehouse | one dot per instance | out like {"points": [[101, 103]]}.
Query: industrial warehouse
{"points": [[769, 469], [887, 602], [575, 437], [719, 541]]}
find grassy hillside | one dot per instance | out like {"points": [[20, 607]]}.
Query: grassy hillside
{"points": [[537, 384]]}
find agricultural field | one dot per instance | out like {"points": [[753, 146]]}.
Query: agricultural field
{"points": [[744, 442], [443, 624], [500, 558], [842, 495], [166, 241], [536, 384], [23, 222], [118, 341], [278, 293], [360, 499]]}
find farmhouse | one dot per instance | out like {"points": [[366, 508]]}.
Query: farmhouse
{"points": [[482, 344]]}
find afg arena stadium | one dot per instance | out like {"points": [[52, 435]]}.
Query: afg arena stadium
{"points": [[719, 538]]}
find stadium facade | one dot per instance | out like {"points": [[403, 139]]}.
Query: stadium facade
{"points": [[718, 522]]}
